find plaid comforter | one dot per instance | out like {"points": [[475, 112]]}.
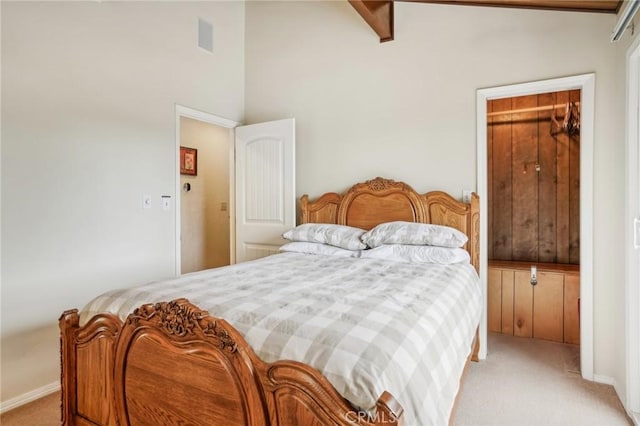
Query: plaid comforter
{"points": [[368, 325]]}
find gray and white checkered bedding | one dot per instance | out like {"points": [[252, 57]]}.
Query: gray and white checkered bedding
{"points": [[368, 325]]}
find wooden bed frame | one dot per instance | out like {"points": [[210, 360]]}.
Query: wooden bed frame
{"points": [[173, 363]]}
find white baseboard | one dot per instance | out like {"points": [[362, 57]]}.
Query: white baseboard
{"points": [[29, 396], [605, 379], [610, 381], [635, 417]]}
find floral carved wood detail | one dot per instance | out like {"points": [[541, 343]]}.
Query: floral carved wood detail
{"points": [[381, 184], [180, 318]]}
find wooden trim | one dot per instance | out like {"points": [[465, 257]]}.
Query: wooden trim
{"points": [[379, 16], [68, 367], [379, 13], [542, 267], [532, 109], [600, 6]]}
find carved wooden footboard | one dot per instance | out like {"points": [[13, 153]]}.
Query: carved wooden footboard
{"points": [[171, 363]]}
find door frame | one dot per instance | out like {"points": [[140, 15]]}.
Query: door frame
{"points": [[183, 111], [632, 281], [586, 83]]}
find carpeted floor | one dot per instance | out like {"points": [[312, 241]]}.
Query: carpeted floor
{"points": [[42, 412], [523, 382], [534, 382]]}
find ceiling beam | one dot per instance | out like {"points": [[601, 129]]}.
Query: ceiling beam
{"points": [[378, 14], [605, 6]]}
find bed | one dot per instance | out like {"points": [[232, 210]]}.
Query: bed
{"points": [[168, 361]]}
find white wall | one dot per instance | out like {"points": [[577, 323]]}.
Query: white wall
{"points": [[205, 225], [406, 109], [88, 126]]}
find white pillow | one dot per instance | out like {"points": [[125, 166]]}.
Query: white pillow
{"points": [[414, 233], [346, 237], [418, 254], [318, 248]]}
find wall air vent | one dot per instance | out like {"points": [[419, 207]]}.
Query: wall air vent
{"points": [[205, 35]]}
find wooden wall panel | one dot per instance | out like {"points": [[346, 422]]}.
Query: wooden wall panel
{"points": [[562, 185], [507, 301], [572, 308], [534, 212], [548, 307], [548, 310], [490, 174], [546, 183], [522, 304], [524, 158], [502, 184], [494, 300], [574, 191]]}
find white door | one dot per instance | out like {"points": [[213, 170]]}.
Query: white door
{"points": [[265, 187]]}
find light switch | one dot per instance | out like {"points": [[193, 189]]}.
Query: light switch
{"points": [[223, 207], [146, 201], [466, 195], [166, 202]]}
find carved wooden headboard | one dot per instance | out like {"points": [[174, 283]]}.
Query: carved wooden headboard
{"points": [[379, 200]]}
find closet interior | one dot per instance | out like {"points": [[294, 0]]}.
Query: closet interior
{"points": [[534, 216]]}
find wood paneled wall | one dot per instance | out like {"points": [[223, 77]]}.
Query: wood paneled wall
{"points": [[534, 216]]}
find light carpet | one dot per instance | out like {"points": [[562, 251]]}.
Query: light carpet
{"points": [[534, 382]]}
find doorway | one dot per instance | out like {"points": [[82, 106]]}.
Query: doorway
{"points": [[205, 199], [533, 167], [586, 85]]}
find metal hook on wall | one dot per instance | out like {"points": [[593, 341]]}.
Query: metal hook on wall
{"points": [[524, 168]]}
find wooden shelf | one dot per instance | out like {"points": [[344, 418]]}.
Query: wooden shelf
{"points": [[542, 266]]}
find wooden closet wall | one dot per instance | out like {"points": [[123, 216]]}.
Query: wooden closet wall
{"points": [[534, 216]]}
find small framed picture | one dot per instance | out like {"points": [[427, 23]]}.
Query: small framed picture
{"points": [[188, 161]]}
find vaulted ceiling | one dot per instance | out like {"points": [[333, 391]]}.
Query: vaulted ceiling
{"points": [[379, 13]]}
